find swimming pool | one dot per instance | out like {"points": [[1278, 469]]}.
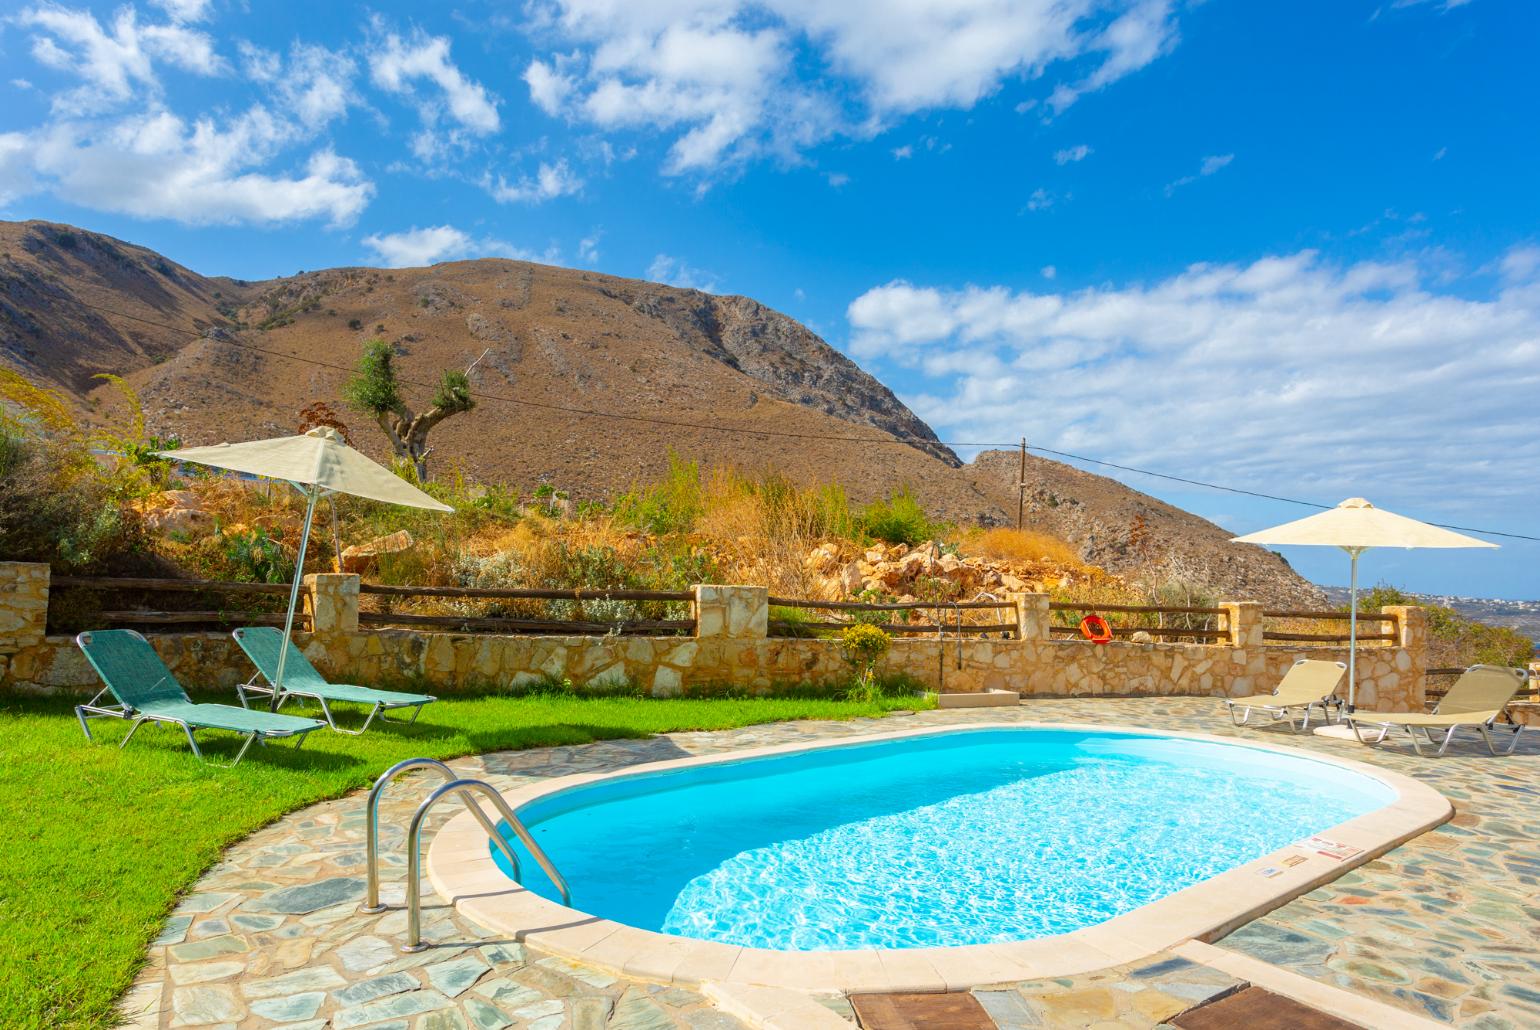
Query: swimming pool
{"points": [[936, 840]]}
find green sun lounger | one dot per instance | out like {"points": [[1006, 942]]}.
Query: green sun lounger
{"points": [[1309, 683], [146, 691], [300, 679], [1476, 700]]}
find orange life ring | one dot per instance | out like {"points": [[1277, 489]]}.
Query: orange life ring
{"points": [[1096, 630]]}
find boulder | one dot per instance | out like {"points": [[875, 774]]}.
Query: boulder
{"points": [[176, 511], [362, 558]]}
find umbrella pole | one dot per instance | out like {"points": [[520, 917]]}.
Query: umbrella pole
{"points": [[1354, 552], [299, 574]]}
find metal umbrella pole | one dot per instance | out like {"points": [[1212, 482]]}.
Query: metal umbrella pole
{"points": [[1353, 552], [312, 494]]}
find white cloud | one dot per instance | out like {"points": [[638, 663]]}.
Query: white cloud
{"points": [[1214, 163], [114, 61], [1072, 154], [15, 167], [1209, 165], [414, 246], [1050, 272], [588, 247], [1142, 33], [1438, 155], [721, 76], [156, 165], [396, 65], [674, 272], [1288, 372], [420, 246], [185, 10], [549, 182], [549, 88], [903, 153], [1041, 200]]}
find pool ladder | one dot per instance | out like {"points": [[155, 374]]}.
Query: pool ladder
{"points": [[453, 785]]}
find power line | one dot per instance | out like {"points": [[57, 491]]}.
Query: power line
{"points": [[892, 438]]}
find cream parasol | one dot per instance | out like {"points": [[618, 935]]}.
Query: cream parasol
{"points": [[316, 464], [1355, 525]]}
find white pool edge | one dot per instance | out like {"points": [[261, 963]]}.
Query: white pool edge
{"points": [[461, 869]]}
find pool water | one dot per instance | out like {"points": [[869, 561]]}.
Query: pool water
{"points": [[960, 837]]}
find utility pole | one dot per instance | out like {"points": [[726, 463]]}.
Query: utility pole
{"points": [[1021, 486]]}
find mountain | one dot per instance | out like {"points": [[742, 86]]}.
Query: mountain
{"points": [[589, 381]]}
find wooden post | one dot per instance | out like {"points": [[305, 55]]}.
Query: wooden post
{"points": [[1021, 485]]}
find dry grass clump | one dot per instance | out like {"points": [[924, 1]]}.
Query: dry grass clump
{"points": [[1026, 545]]}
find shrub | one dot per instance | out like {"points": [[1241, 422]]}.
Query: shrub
{"points": [[864, 645], [671, 505], [1455, 639], [898, 520], [256, 556], [1024, 545]]}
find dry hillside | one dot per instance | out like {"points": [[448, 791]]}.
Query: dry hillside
{"points": [[649, 367]]}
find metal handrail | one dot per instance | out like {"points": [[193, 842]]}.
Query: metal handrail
{"points": [[414, 850], [372, 823]]}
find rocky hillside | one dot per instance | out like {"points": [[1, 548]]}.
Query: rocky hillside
{"points": [[1136, 535], [589, 381]]}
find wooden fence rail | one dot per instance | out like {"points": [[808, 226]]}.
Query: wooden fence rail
{"points": [[172, 585], [1154, 631], [1137, 609], [513, 593], [1338, 637], [471, 623], [872, 606]]}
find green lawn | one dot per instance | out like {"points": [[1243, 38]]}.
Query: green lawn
{"points": [[103, 841]]}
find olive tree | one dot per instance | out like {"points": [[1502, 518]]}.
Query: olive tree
{"points": [[376, 389]]}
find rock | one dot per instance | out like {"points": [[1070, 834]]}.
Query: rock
{"points": [[176, 511], [362, 558]]}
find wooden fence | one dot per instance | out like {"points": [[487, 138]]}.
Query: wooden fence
{"points": [[509, 624], [1160, 622], [1291, 632], [127, 589], [199, 614], [946, 617]]}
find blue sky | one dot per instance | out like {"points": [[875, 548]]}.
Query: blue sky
{"points": [[1294, 248]]}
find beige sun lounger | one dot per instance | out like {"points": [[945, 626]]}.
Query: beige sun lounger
{"points": [[1477, 700], [1308, 684]]}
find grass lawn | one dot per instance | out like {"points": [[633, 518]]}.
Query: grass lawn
{"points": [[103, 841]]}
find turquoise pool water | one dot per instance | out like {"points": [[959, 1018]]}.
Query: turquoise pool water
{"points": [[961, 837]]}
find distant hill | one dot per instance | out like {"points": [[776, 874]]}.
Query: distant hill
{"points": [[659, 367], [1523, 616]]}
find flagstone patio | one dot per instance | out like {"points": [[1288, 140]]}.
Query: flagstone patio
{"points": [[1446, 927]]}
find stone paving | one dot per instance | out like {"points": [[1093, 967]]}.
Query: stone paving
{"points": [[1447, 925]]}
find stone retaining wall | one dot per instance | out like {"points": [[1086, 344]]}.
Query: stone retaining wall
{"points": [[731, 648]]}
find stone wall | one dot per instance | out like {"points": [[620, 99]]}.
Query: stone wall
{"points": [[730, 648]]}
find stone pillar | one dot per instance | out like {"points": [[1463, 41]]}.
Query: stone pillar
{"points": [[1244, 619], [1031, 616], [738, 613], [1412, 663], [333, 604], [23, 605]]}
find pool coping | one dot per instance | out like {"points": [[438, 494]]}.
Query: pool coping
{"points": [[461, 869]]}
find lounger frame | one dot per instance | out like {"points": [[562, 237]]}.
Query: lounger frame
{"points": [[1277, 712], [94, 710], [1438, 746], [254, 688], [257, 686]]}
